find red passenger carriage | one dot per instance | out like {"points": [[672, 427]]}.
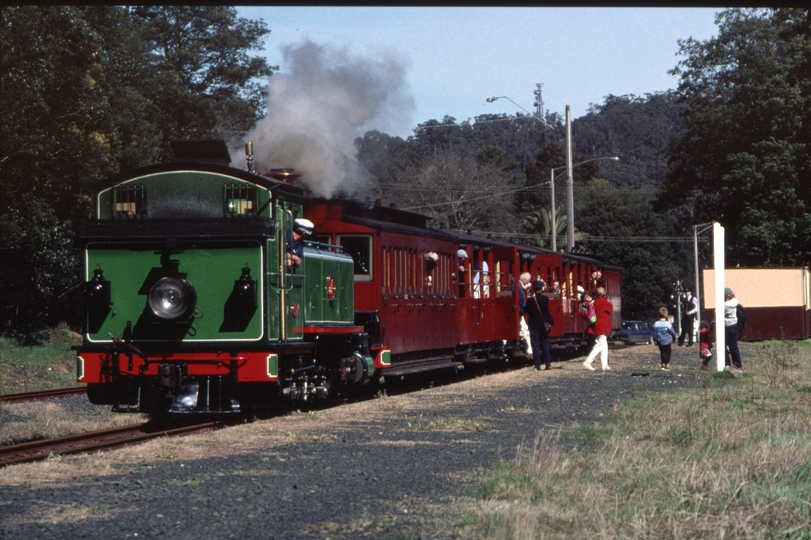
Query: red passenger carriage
{"points": [[429, 308]]}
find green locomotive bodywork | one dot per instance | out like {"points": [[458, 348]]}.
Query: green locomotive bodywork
{"points": [[211, 268], [190, 307]]}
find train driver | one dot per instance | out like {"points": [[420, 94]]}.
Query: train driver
{"points": [[294, 240]]}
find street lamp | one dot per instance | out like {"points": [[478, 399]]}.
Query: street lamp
{"points": [[552, 185], [697, 285], [569, 179], [535, 116]]}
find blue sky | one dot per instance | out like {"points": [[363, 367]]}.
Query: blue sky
{"points": [[452, 59]]}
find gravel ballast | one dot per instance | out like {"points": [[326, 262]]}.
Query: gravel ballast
{"points": [[381, 468]]}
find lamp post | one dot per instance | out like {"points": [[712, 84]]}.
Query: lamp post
{"points": [[535, 116], [569, 179], [569, 182], [554, 210], [697, 286]]}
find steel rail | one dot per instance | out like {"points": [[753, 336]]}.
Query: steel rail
{"points": [[95, 441], [42, 394]]}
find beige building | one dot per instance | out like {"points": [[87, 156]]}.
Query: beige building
{"points": [[777, 300]]}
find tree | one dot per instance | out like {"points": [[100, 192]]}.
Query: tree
{"points": [[386, 158], [744, 159], [457, 191], [87, 91], [538, 225], [54, 111], [205, 84], [38, 265], [637, 129], [649, 268]]}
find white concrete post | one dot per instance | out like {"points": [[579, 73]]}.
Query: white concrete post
{"points": [[719, 262]]}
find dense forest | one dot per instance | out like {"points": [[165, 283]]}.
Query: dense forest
{"points": [[90, 91]]}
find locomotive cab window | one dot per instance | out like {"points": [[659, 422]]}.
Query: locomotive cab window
{"points": [[129, 201], [360, 248], [240, 199]]}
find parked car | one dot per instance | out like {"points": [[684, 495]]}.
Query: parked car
{"points": [[637, 332]]}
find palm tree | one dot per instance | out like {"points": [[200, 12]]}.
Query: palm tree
{"points": [[539, 223]]}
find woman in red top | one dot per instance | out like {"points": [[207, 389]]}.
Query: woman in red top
{"points": [[600, 329]]}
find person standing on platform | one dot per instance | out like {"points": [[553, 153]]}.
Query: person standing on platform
{"points": [[689, 311], [731, 329], [601, 328], [663, 336], [540, 324], [524, 291]]}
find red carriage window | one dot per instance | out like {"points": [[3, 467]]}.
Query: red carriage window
{"points": [[387, 271], [412, 273]]}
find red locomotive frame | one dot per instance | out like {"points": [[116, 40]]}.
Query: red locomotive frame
{"points": [[427, 313]]}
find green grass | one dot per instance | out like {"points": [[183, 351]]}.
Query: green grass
{"points": [[727, 460], [49, 364]]}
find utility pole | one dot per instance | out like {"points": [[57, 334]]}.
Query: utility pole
{"points": [[678, 291], [569, 184], [554, 212]]}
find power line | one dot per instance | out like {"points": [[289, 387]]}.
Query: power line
{"points": [[490, 196], [473, 124], [468, 200], [588, 238]]}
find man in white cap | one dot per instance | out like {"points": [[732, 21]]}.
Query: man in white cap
{"points": [[462, 255], [295, 246]]}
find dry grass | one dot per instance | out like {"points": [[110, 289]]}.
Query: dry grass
{"points": [[729, 461], [33, 420]]}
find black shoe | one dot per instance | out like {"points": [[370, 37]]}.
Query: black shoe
{"points": [[547, 368], [680, 343], [538, 368], [689, 344]]}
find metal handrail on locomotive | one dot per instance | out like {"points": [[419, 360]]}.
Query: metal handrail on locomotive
{"points": [[193, 305]]}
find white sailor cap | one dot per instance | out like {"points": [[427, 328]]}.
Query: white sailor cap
{"points": [[303, 226]]}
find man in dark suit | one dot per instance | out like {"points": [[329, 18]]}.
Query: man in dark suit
{"points": [[689, 310], [540, 324]]}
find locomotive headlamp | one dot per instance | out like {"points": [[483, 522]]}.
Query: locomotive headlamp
{"points": [[98, 290], [171, 297], [245, 288]]}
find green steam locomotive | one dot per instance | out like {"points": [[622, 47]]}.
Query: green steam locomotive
{"points": [[196, 301]]}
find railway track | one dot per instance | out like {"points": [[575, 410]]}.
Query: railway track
{"points": [[96, 441], [42, 394]]}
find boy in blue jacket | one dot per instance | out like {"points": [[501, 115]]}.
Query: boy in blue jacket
{"points": [[663, 336]]}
